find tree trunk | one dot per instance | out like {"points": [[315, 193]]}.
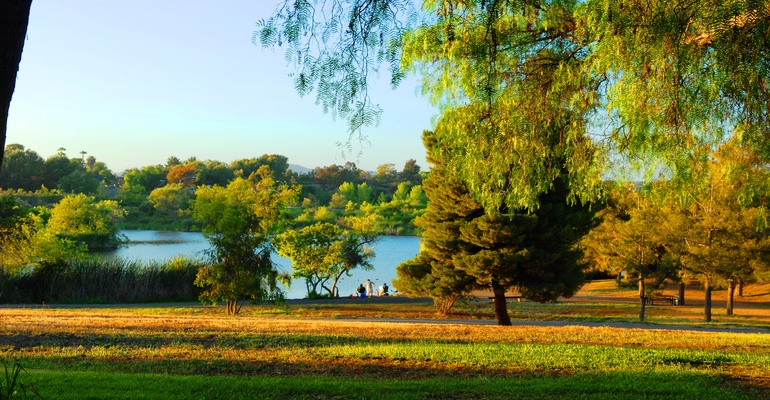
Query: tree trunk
{"points": [[501, 307], [444, 304], [312, 285], [730, 297], [707, 306], [740, 287], [334, 293], [14, 17], [642, 299], [323, 286], [681, 293]]}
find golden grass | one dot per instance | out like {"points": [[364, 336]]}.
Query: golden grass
{"points": [[127, 323], [599, 301]]}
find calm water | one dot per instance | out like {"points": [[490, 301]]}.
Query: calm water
{"points": [[161, 245]]}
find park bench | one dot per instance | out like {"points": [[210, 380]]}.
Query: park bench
{"points": [[671, 300], [518, 297]]}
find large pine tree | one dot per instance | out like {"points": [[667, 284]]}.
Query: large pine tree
{"points": [[466, 247], [534, 252]]}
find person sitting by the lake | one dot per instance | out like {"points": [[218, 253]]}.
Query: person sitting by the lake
{"points": [[360, 291], [369, 286], [383, 290]]}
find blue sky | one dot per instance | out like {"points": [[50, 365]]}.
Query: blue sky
{"points": [[133, 82]]}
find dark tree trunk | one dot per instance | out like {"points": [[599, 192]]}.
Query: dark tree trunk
{"points": [[501, 307], [707, 306], [642, 299], [335, 292], [14, 17], [740, 287], [681, 293], [730, 297]]}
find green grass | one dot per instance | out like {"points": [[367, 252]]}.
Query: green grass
{"points": [[607, 385], [146, 354], [537, 357], [487, 370]]}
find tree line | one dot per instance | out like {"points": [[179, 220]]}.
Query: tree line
{"points": [[645, 234], [161, 196], [242, 208]]}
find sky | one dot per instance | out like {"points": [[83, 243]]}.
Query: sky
{"points": [[134, 82]]}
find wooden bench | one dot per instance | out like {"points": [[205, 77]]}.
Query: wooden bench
{"points": [[519, 298], [666, 299]]}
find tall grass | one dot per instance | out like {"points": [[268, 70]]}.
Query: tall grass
{"points": [[11, 386], [106, 281]]}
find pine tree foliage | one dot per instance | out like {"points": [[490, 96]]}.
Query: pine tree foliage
{"points": [[535, 252], [432, 273], [465, 247]]}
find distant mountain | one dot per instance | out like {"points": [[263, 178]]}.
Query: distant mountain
{"points": [[299, 169]]}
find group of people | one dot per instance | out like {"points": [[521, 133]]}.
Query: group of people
{"points": [[366, 289]]}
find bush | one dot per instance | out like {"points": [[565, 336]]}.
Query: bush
{"points": [[313, 295]]}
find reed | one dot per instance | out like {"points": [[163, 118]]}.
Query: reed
{"points": [[106, 281]]}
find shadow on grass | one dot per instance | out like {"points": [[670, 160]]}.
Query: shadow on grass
{"points": [[205, 340]]}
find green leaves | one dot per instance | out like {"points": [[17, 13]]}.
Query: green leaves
{"points": [[238, 222], [335, 48], [504, 75], [325, 251], [533, 91]]}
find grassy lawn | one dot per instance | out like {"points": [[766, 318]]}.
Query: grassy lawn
{"points": [[611, 385], [600, 301], [199, 353]]}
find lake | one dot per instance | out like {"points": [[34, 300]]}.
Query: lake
{"points": [[162, 245]]}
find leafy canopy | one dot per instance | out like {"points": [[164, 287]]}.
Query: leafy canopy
{"points": [[239, 221], [533, 90], [323, 251]]}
